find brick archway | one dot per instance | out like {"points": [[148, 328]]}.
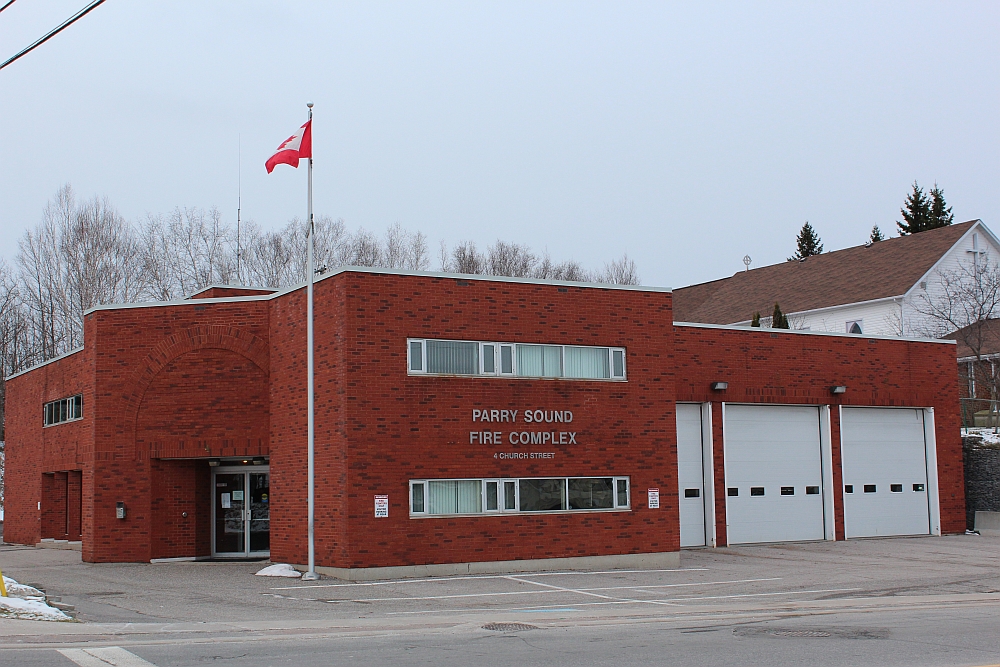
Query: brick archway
{"points": [[235, 340]]}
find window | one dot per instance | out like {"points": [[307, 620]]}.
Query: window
{"points": [[854, 327], [443, 497], [63, 410], [452, 357]]}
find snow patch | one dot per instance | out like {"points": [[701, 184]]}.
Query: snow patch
{"points": [[280, 570], [984, 432], [27, 603]]}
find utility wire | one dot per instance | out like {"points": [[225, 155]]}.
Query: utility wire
{"points": [[67, 23], [6, 5]]}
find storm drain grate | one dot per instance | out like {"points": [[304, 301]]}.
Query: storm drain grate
{"points": [[509, 627]]}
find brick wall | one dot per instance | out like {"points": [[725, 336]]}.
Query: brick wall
{"points": [[166, 385], [378, 427], [789, 368], [33, 450], [173, 357]]}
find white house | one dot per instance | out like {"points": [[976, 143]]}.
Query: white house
{"points": [[884, 288]]}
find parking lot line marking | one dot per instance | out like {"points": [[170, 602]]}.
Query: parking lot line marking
{"points": [[583, 592], [548, 588], [113, 656], [674, 602], [688, 584], [399, 582]]}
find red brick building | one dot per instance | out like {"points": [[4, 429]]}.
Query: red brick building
{"points": [[471, 424]]}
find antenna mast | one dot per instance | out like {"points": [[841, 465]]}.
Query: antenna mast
{"points": [[239, 203]]}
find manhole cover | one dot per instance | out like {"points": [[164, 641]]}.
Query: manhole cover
{"points": [[800, 633], [509, 627]]}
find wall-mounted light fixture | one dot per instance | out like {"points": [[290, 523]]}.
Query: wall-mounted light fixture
{"points": [[213, 462], [838, 389], [720, 386], [259, 460]]}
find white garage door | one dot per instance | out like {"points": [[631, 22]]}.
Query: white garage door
{"points": [[885, 472], [774, 478], [690, 475]]}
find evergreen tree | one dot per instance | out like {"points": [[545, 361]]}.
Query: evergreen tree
{"points": [[807, 243], [876, 235], [916, 212], [778, 319], [941, 215], [755, 322]]}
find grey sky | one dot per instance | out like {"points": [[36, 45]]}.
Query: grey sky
{"points": [[686, 135]]}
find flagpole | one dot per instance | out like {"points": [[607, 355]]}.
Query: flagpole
{"points": [[311, 574]]}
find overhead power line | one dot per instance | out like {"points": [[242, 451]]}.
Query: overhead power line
{"points": [[65, 24], [6, 5]]}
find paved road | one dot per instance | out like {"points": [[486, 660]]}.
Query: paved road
{"points": [[928, 601]]}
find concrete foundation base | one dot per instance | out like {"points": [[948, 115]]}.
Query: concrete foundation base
{"points": [[988, 523], [665, 560], [49, 543]]}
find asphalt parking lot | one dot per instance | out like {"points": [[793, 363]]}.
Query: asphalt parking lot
{"points": [[739, 577]]}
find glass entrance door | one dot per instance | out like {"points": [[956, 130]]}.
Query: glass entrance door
{"points": [[241, 513]]}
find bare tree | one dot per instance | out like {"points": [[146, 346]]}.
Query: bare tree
{"points": [[510, 259], [622, 271], [464, 258], [961, 304]]}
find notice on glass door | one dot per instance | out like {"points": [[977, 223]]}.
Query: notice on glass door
{"points": [[225, 501], [381, 507], [654, 499]]}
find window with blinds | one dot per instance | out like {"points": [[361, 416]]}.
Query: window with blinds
{"points": [[527, 360], [443, 497]]}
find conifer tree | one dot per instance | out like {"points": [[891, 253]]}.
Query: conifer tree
{"points": [[941, 215], [807, 243], [916, 212], [755, 322], [876, 235], [778, 319]]}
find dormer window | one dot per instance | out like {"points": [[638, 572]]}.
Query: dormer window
{"points": [[854, 327]]}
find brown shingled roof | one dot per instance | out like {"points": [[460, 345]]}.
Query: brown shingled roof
{"points": [[862, 273], [984, 335]]}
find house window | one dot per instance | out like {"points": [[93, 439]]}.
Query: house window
{"points": [[455, 357], [854, 327], [446, 497], [63, 410]]}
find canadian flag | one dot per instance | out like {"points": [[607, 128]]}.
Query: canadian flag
{"points": [[299, 145]]}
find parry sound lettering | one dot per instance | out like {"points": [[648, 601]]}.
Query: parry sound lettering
{"points": [[530, 437]]}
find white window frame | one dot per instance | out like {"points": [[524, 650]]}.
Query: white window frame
{"points": [[498, 351], [421, 483], [70, 401], [850, 323], [409, 356], [482, 358], [501, 483]]}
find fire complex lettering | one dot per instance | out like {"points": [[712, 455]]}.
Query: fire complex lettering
{"points": [[523, 437]]}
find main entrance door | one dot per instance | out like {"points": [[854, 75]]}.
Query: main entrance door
{"points": [[241, 512]]}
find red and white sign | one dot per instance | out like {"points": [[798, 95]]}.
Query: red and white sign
{"points": [[653, 499], [381, 507], [292, 149]]}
